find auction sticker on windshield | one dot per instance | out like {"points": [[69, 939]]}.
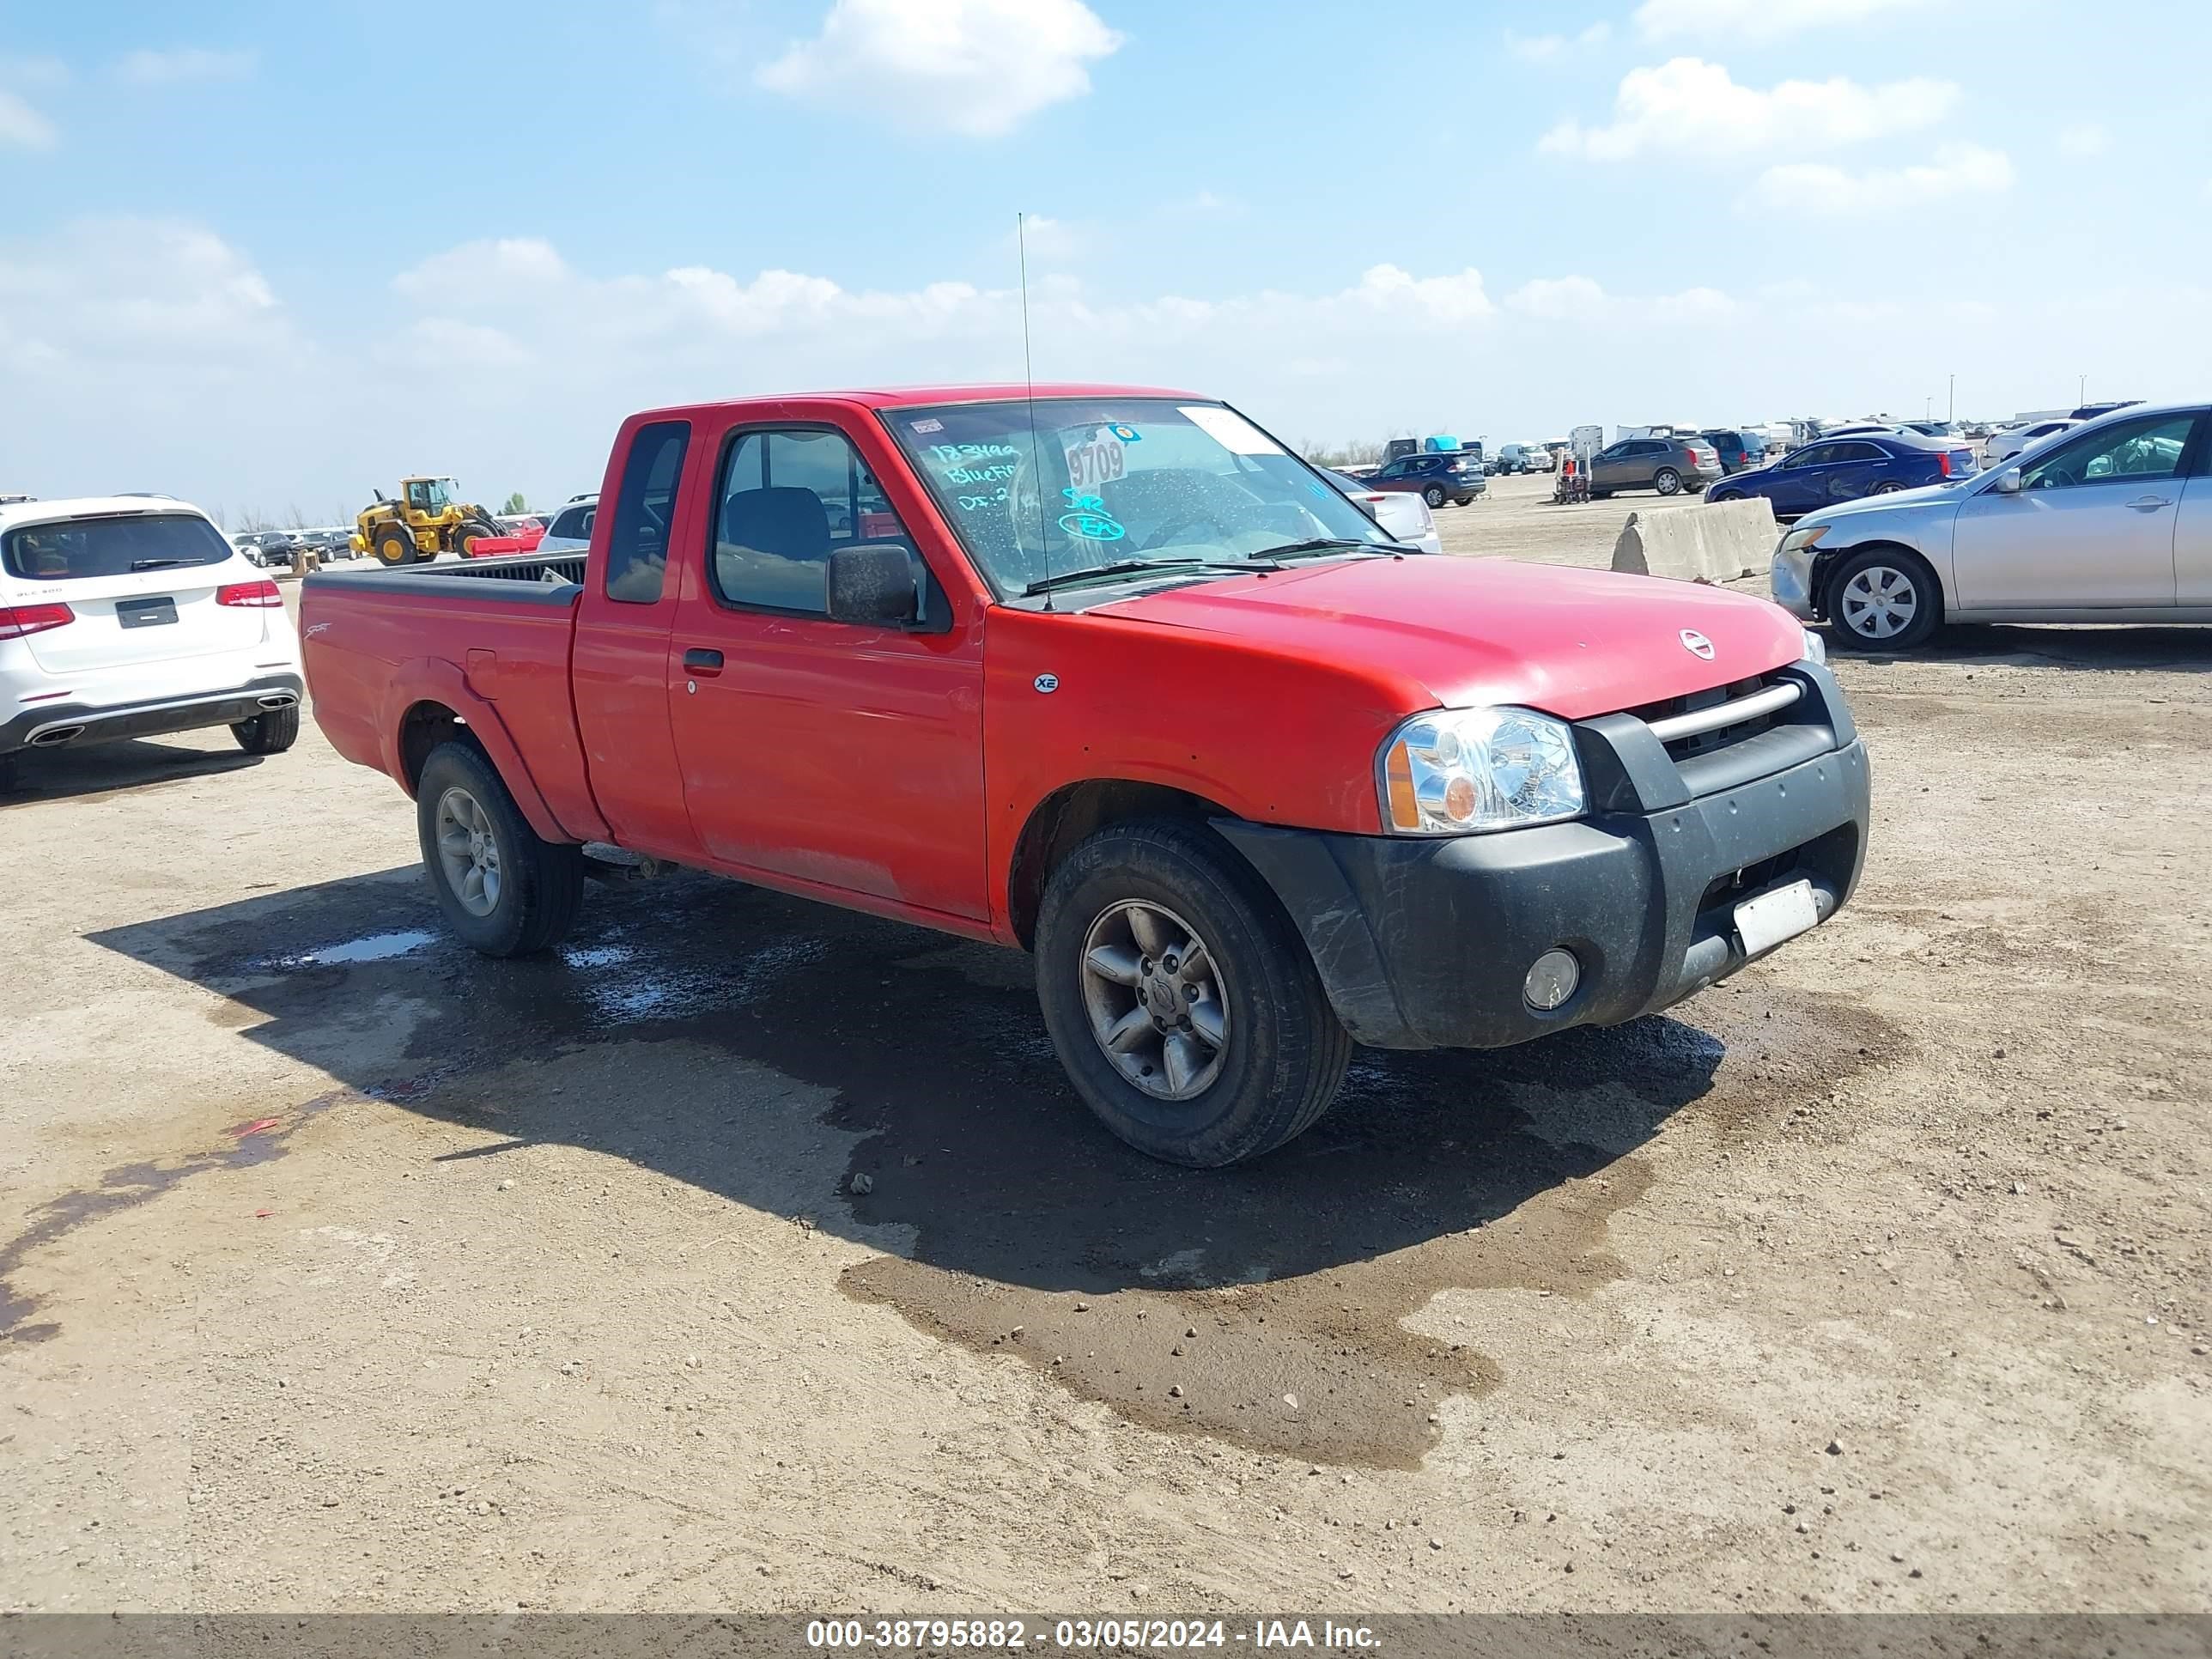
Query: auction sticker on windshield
{"points": [[1230, 429], [1095, 457]]}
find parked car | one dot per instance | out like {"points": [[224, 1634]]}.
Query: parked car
{"points": [[1523, 458], [937, 725], [1737, 450], [1669, 465], [2090, 411], [2112, 523], [1456, 477], [1404, 514], [1858, 428], [1832, 469], [132, 617], [570, 530], [2004, 444], [1932, 429]]}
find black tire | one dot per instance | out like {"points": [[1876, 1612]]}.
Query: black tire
{"points": [[1285, 1052], [1434, 495], [1883, 569], [1667, 481], [393, 546], [272, 733], [541, 884], [1892, 487]]}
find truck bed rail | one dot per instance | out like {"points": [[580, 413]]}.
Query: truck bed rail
{"points": [[548, 579]]}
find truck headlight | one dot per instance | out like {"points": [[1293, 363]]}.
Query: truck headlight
{"points": [[1816, 649], [1463, 771]]}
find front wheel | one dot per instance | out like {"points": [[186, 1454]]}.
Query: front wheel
{"points": [[1890, 489], [1668, 481], [393, 546], [1433, 496], [1885, 599], [1180, 999], [272, 733], [504, 891]]}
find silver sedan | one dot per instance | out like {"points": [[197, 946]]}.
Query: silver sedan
{"points": [[1403, 514], [2109, 521]]}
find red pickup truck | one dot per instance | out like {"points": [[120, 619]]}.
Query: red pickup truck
{"points": [[1109, 675]]}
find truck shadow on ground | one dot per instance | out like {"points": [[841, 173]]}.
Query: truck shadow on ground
{"points": [[1031, 1230]]}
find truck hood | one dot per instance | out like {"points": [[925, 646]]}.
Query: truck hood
{"points": [[1461, 632]]}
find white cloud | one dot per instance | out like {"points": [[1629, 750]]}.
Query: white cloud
{"points": [[1048, 238], [1756, 19], [1581, 300], [146, 68], [2084, 138], [977, 67], [475, 272], [1956, 170], [23, 127], [1542, 48], [1457, 299], [1688, 105]]}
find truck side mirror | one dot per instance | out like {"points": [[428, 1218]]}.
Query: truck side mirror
{"points": [[874, 585]]}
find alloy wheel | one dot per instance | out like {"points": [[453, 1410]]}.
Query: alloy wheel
{"points": [[468, 851], [1155, 1001]]}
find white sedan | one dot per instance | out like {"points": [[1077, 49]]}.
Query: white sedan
{"points": [[2109, 522], [2008, 441], [131, 617], [1403, 514]]}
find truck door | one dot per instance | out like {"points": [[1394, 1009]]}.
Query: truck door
{"points": [[619, 664], [822, 752]]}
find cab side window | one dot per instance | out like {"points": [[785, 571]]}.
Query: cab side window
{"points": [[637, 542], [789, 497]]}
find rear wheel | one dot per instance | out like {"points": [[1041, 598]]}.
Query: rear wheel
{"points": [[1180, 999], [1434, 495], [1666, 482], [1885, 599], [1889, 489], [272, 733], [503, 891], [393, 546]]}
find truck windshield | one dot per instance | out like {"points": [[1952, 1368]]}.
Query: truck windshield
{"points": [[1109, 481]]}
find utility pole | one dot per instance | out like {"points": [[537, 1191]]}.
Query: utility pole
{"points": [[1951, 404], [2081, 392]]}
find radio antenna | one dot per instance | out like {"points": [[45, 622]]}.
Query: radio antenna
{"points": [[1028, 383]]}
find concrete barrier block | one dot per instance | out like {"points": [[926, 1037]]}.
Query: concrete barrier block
{"points": [[1713, 542]]}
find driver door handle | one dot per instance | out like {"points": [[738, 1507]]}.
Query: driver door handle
{"points": [[2149, 503], [705, 663]]}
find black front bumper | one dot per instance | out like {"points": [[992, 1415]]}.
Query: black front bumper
{"points": [[1426, 944], [70, 726]]}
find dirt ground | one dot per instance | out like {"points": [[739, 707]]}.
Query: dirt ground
{"points": [[341, 1269]]}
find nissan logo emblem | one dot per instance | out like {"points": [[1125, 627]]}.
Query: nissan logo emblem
{"points": [[1697, 644]]}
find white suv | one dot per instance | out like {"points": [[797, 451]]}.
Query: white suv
{"points": [[125, 616]]}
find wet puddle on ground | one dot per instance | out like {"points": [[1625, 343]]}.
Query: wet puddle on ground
{"points": [[1283, 1281]]}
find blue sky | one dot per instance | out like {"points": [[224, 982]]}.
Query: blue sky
{"points": [[268, 256]]}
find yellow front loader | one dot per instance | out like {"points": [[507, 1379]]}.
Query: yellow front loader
{"points": [[426, 518]]}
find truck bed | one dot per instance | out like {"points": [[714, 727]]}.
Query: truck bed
{"points": [[488, 639]]}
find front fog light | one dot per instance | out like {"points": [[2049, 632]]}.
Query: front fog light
{"points": [[1551, 980]]}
